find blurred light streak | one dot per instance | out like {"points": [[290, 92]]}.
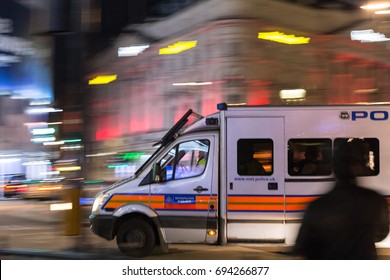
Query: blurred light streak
{"points": [[192, 84], [69, 148], [102, 154], [72, 140], [178, 47], [41, 110], [40, 162], [68, 168], [41, 123], [11, 155], [376, 6], [50, 173], [49, 188], [132, 50], [384, 12], [292, 94], [101, 80], [43, 139], [8, 160], [55, 143], [61, 206], [280, 37], [66, 161], [43, 131], [40, 102], [366, 91], [368, 36]]}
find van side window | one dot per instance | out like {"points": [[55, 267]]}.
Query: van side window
{"points": [[255, 157], [185, 160], [310, 157], [369, 159]]}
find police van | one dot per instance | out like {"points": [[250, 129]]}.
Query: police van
{"points": [[242, 174]]}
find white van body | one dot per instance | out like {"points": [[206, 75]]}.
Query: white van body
{"points": [[223, 203]]}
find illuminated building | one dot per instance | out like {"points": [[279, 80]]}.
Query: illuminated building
{"points": [[230, 63]]}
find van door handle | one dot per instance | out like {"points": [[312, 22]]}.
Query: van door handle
{"points": [[200, 189]]}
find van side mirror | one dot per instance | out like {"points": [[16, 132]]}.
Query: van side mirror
{"points": [[156, 171]]}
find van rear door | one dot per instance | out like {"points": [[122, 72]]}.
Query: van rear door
{"points": [[255, 178]]}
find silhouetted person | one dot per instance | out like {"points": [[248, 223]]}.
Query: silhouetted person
{"points": [[308, 166], [346, 222], [249, 165]]}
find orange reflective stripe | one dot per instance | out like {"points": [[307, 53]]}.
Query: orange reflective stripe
{"points": [[234, 203], [158, 202], [256, 199], [298, 203], [120, 199], [255, 203], [269, 203]]}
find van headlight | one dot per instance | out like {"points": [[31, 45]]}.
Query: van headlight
{"points": [[100, 199]]}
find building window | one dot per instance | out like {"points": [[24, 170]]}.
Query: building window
{"points": [[255, 157]]}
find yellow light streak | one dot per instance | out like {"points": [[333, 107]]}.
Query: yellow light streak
{"points": [[68, 168], [178, 47], [101, 80], [280, 37]]}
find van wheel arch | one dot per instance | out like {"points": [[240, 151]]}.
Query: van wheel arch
{"points": [[143, 223]]}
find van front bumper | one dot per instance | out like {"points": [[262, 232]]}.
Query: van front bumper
{"points": [[103, 225]]}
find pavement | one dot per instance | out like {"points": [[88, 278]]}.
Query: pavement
{"points": [[51, 240]]}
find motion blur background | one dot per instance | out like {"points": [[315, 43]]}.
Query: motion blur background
{"points": [[87, 86]]}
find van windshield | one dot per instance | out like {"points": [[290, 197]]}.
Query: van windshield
{"points": [[186, 120]]}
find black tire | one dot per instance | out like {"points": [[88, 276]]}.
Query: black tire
{"points": [[136, 238]]}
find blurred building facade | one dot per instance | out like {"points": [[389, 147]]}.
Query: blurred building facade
{"points": [[25, 85], [110, 128], [228, 62]]}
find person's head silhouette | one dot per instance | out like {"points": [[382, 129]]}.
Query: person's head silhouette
{"points": [[348, 159]]}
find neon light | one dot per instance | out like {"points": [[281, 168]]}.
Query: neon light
{"points": [[56, 143], [291, 94], [193, 84], [384, 12], [43, 139], [132, 50], [41, 110], [131, 155], [89, 182], [117, 165], [43, 131], [41, 123], [68, 168], [101, 154], [178, 47], [68, 148], [61, 206], [368, 36], [280, 37], [101, 80], [377, 6], [72, 140]]}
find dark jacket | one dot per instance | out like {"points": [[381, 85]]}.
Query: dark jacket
{"points": [[343, 224]]}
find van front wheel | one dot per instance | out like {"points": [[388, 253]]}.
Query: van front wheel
{"points": [[136, 238]]}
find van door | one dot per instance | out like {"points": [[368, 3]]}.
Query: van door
{"points": [[184, 198], [255, 178]]}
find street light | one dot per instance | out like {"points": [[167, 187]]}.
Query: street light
{"points": [[376, 6]]}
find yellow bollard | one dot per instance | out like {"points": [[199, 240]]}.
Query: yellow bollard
{"points": [[72, 216]]}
